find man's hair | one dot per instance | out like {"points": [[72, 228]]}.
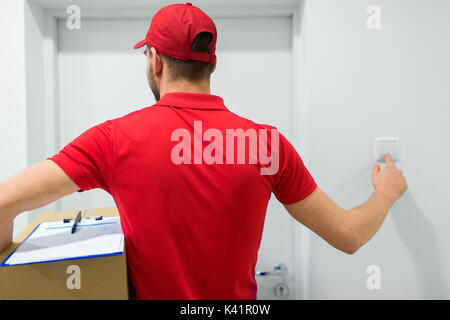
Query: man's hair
{"points": [[192, 71]]}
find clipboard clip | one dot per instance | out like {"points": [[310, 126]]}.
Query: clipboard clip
{"points": [[68, 220], [77, 221]]}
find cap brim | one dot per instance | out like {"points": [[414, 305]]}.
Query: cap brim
{"points": [[140, 44]]}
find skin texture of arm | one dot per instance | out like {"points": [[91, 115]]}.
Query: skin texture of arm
{"points": [[348, 230], [31, 188]]}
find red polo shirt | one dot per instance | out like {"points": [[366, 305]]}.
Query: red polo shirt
{"points": [[192, 228]]}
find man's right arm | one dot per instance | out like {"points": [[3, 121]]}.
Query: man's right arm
{"points": [[348, 230]]}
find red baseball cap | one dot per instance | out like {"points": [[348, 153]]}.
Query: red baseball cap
{"points": [[173, 29]]}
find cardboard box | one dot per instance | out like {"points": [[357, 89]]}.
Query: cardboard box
{"points": [[97, 278]]}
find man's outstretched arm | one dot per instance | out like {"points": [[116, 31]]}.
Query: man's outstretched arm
{"points": [[348, 230], [31, 188]]}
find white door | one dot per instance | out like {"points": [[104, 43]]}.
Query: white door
{"points": [[101, 77]]}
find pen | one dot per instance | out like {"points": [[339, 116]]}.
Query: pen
{"points": [[77, 220]]}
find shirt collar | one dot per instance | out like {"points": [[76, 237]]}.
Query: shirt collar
{"points": [[192, 101]]}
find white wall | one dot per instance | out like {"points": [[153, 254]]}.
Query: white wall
{"points": [[40, 97], [13, 137], [34, 57], [359, 84], [26, 112]]}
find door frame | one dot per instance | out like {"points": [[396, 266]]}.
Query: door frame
{"points": [[300, 235]]}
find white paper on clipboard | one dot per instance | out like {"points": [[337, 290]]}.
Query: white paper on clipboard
{"points": [[53, 241]]}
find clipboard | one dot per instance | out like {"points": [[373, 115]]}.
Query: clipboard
{"points": [[53, 241]]}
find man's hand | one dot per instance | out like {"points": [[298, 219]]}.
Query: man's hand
{"points": [[348, 230], [390, 181]]}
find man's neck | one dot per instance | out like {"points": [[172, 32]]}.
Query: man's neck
{"points": [[189, 87]]}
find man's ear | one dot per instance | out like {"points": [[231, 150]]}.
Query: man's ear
{"points": [[156, 60]]}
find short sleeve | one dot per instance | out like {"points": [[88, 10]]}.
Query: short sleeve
{"points": [[87, 160], [293, 182]]}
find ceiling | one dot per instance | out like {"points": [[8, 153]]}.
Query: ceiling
{"points": [[140, 8], [61, 4]]}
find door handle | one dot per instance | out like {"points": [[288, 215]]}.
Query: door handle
{"points": [[279, 270]]}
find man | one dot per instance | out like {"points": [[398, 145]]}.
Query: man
{"points": [[190, 187]]}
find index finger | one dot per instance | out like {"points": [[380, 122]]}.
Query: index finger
{"points": [[388, 160]]}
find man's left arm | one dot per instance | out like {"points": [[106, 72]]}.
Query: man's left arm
{"points": [[31, 188]]}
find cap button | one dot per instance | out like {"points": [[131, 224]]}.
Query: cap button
{"points": [[189, 4]]}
